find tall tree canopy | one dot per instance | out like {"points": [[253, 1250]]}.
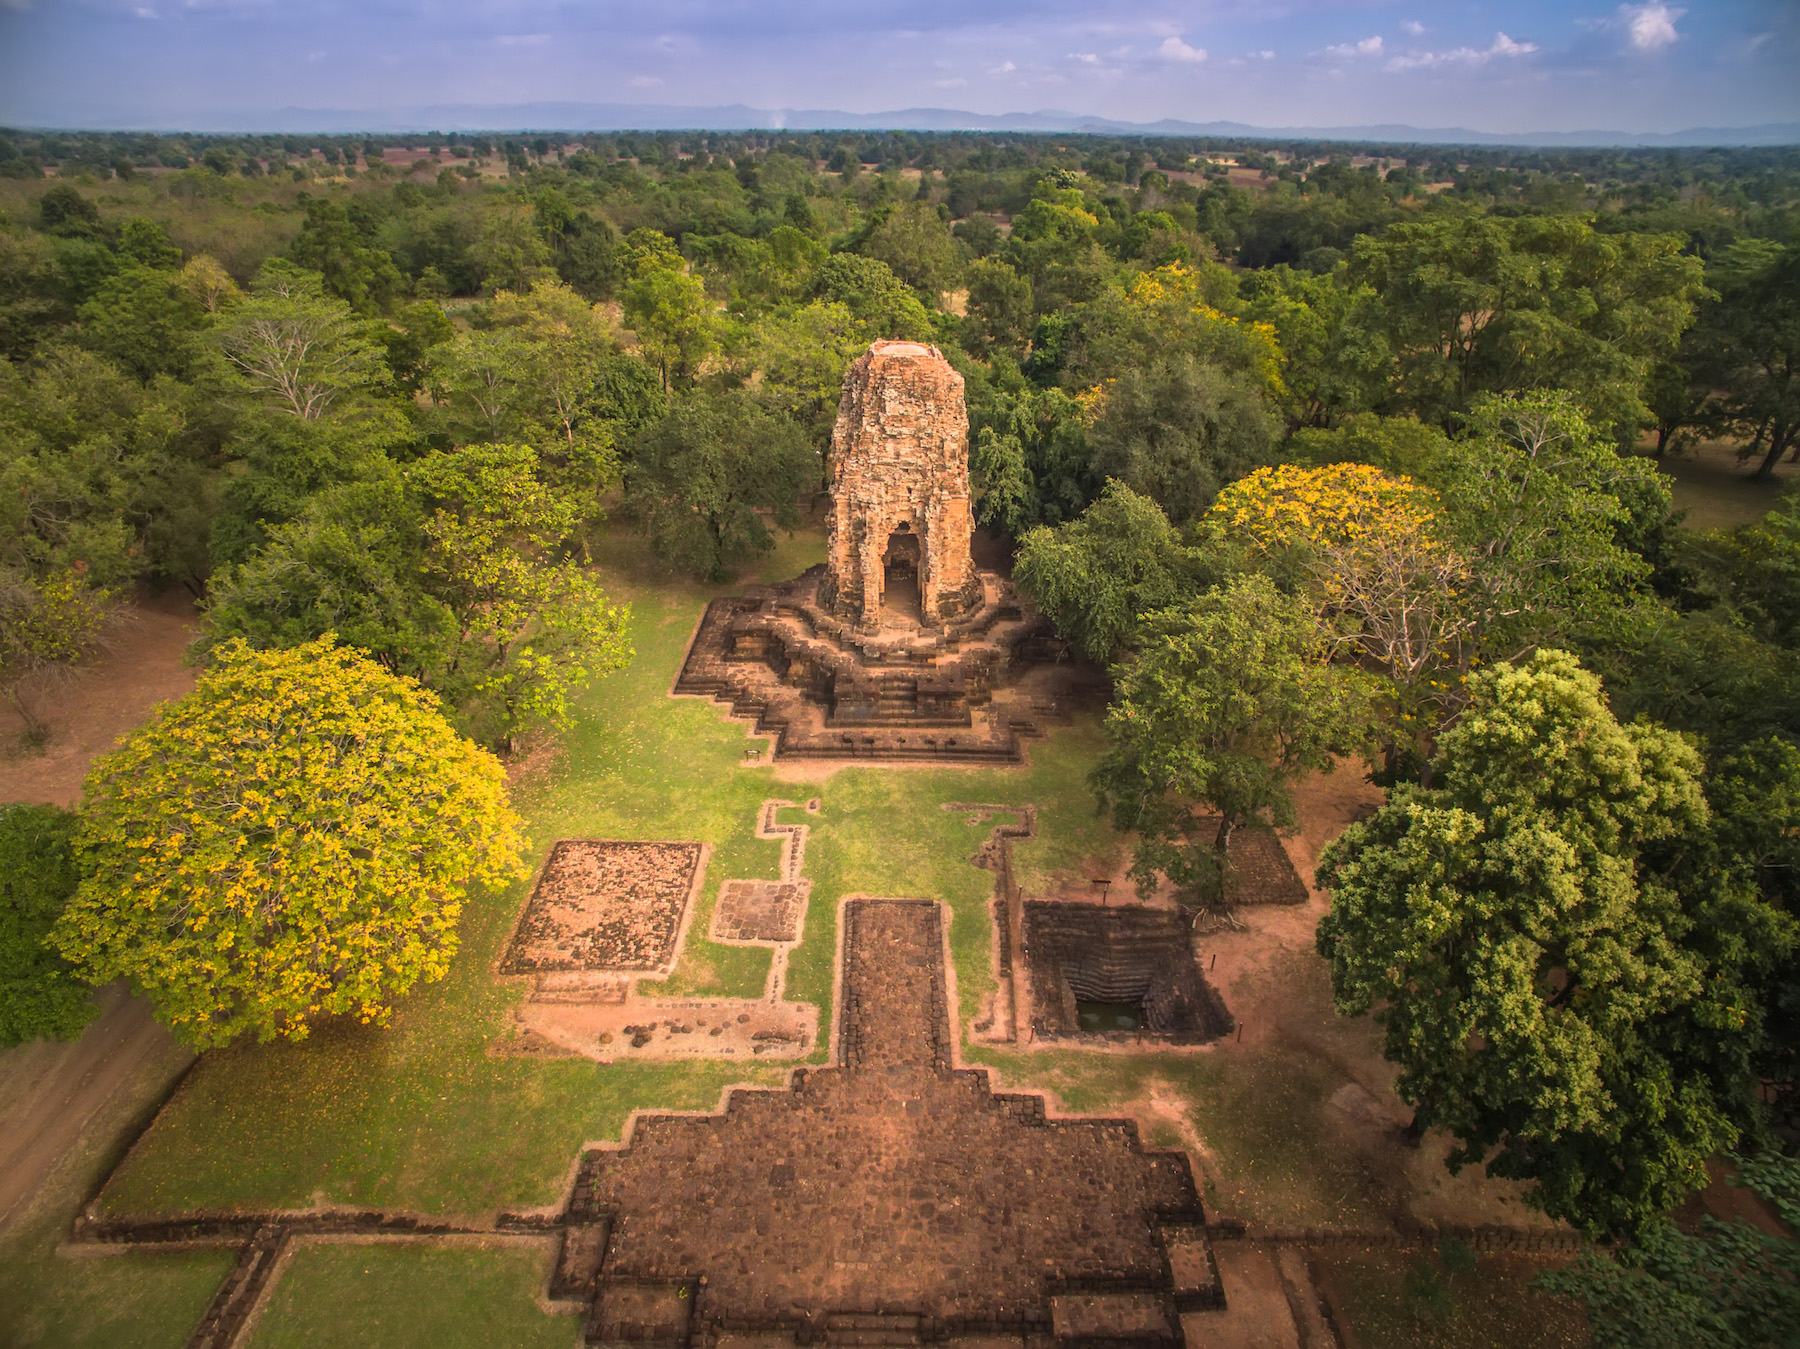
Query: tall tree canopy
{"points": [[293, 839], [1559, 991]]}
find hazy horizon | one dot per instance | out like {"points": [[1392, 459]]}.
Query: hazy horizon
{"points": [[1508, 69]]}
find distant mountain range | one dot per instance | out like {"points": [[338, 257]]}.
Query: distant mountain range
{"points": [[515, 117]]}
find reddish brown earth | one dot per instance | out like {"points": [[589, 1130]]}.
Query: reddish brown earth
{"points": [[54, 1090], [111, 697]]}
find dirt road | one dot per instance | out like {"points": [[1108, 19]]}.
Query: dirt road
{"points": [[52, 1091]]}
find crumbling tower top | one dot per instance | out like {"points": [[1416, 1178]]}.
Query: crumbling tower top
{"points": [[900, 489]]}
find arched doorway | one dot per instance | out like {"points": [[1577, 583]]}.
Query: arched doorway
{"points": [[900, 593]]}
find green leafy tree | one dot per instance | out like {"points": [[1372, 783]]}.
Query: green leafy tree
{"points": [[868, 288], [1490, 304], [1054, 242], [143, 319], [1030, 463], [351, 563], [999, 307], [801, 353], [1229, 699], [676, 326], [510, 252], [293, 839], [1178, 431], [296, 349], [1098, 576], [1331, 364], [1557, 993], [1727, 1286], [32, 300], [531, 627], [49, 626], [915, 243], [335, 240], [1746, 346], [39, 997], [561, 404], [1539, 502], [147, 243], [702, 476]]}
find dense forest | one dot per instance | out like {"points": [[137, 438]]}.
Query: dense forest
{"points": [[1398, 406]]}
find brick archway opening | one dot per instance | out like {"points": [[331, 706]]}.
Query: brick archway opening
{"points": [[902, 593]]}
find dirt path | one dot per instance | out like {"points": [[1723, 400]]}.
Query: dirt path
{"points": [[54, 1090], [112, 697]]}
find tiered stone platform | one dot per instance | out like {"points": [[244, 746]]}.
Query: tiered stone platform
{"points": [[892, 1200], [902, 687]]}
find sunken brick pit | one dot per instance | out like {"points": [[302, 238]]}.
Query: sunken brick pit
{"points": [[1089, 963]]}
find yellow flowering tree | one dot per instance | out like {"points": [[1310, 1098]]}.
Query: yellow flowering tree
{"points": [[1388, 580], [1172, 303], [293, 839]]}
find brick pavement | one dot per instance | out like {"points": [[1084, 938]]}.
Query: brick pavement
{"points": [[892, 1199]]}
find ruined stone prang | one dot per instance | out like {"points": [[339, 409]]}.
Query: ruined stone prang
{"points": [[900, 486]]}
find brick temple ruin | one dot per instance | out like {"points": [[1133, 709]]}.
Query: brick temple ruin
{"points": [[893, 1198], [900, 495], [900, 646]]}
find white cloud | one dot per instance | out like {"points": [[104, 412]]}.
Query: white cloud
{"points": [[1412, 28], [1174, 49], [523, 39], [958, 82], [1086, 58], [1004, 68], [645, 82], [1501, 47], [1652, 26], [1350, 51], [1262, 56]]}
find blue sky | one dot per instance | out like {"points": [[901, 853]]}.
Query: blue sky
{"points": [[1522, 66]]}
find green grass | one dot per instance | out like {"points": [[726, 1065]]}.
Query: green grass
{"points": [[420, 1115], [1719, 493], [100, 1300], [1396, 1300], [396, 1296]]}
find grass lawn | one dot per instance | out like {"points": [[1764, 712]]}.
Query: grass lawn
{"points": [[1717, 492], [420, 1115], [1395, 1300], [399, 1296]]}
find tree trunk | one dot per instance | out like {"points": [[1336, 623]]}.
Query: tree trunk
{"points": [[1414, 1132], [1778, 442], [1222, 840], [36, 731]]}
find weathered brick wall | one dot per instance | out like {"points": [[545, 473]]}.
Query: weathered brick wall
{"points": [[900, 459]]}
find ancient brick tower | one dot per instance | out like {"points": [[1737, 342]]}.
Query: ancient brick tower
{"points": [[900, 487]]}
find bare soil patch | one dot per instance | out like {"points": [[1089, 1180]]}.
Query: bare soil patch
{"points": [[109, 699], [1262, 873], [603, 905]]}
